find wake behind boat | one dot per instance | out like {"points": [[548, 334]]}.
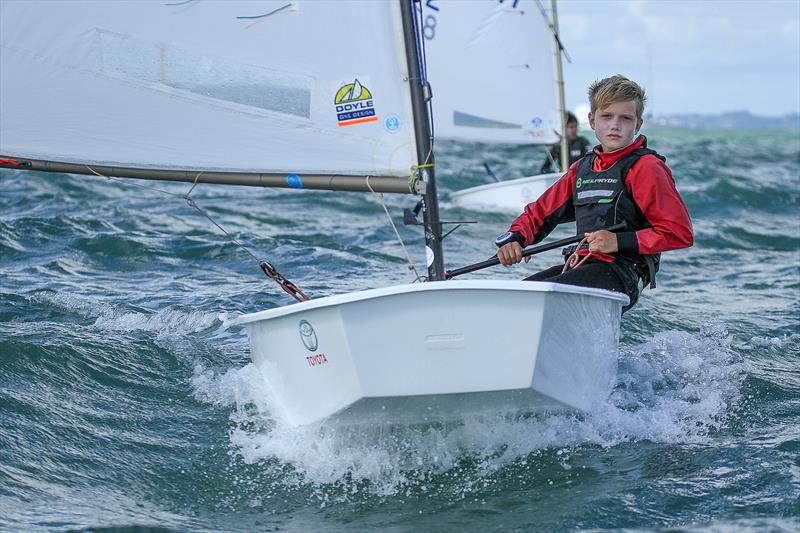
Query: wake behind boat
{"points": [[434, 351]]}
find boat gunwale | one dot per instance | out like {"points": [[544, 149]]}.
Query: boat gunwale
{"points": [[370, 294]]}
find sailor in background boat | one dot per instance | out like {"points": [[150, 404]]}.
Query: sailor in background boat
{"points": [[578, 146], [621, 180]]}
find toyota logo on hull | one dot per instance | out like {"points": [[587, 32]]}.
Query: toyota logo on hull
{"points": [[308, 336]]}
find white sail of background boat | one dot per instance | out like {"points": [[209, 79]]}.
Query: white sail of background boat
{"points": [[491, 67], [494, 69], [198, 92]]}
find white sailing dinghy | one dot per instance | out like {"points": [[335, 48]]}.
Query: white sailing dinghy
{"points": [[495, 70], [213, 92]]}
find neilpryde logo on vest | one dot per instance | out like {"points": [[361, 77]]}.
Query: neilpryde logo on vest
{"points": [[354, 104], [581, 182]]}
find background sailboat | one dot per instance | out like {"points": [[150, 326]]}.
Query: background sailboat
{"points": [[136, 89], [491, 66], [496, 72]]}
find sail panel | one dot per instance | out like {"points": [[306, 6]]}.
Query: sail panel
{"points": [[236, 86], [491, 66]]}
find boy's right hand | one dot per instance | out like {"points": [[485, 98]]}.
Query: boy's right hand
{"points": [[510, 254]]}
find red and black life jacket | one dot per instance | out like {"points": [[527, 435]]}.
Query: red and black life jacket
{"points": [[601, 199]]}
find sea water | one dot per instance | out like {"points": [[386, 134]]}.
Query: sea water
{"points": [[125, 403]]}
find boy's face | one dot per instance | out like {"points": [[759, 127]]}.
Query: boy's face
{"points": [[615, 125]]}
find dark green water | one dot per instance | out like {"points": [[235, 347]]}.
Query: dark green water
{"points": [[125, 404]]}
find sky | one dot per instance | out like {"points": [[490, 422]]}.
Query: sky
{"points": [[692, 56]]}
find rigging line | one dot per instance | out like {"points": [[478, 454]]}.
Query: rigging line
{"points": [[551, 159], [550, 25], [411, 265], [290, 288], [268, 268], [192, 203], [131, 184], [194, 184], [189, 200]]}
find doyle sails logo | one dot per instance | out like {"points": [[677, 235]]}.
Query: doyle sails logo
{"points": [[354, 104]]}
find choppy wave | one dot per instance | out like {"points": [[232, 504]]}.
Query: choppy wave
{"points": [[127, 401]]}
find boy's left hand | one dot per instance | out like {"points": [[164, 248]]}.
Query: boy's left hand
{"points": [[602, 241]]}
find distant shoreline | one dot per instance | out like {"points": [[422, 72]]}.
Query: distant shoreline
{"points": [[734, 120]]}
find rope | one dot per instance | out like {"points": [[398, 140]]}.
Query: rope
{"points": [[574, 260], [412, 178], [410, 261], [130, 184], [271, 272]]}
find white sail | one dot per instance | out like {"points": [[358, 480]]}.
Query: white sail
{"points": [[234, 86], [491, 68]]}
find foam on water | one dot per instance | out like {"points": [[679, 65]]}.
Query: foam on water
{"points": [[115, 317], [676, 388], [177, 330]]}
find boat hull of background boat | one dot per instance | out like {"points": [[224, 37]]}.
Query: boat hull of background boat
{"points": [[511, 195], [435, 351]]}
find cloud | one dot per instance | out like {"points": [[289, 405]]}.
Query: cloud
{"points": [[721, 51]]}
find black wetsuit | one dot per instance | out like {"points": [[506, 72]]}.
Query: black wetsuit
{"points": [[599, 274]]}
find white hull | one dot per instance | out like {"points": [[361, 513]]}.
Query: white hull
{"points": [[434, 350], [511, 195]]}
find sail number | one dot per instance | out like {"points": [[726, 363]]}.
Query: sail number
{"points": [[429, 22]]}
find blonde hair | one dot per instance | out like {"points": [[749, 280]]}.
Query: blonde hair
{"points": [[615, 89]]}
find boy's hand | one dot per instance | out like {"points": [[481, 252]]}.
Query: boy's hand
{"points": [[602, 241], [510, 254]]}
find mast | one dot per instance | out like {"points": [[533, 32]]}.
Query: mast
{"points": [[560, 82], [430, 200]]}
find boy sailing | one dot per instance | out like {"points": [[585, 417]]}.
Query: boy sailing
{"points": [[621, 180]]}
